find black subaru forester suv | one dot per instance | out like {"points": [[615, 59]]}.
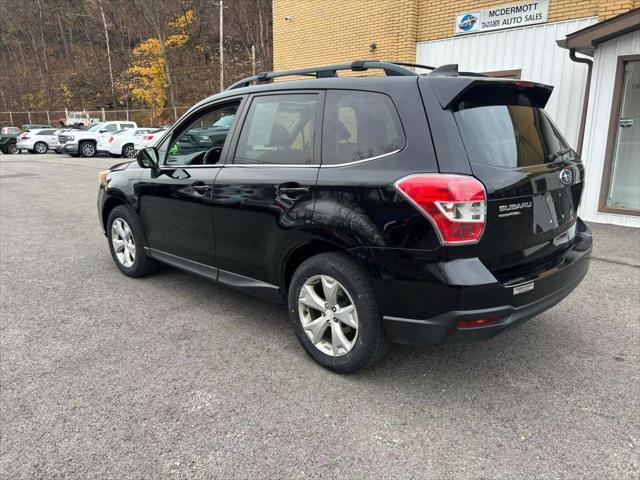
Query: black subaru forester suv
{"points": [[402, 208]]}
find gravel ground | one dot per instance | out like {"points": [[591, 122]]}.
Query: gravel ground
{"points": [[103, 376]]}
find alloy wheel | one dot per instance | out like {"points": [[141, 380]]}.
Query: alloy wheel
{"points": [[328, 315], [40, 147], [88, 150], [123, 244], [129, 151]]}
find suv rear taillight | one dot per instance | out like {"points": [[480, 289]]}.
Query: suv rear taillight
{"points": [[455, 204], [148, 137]]}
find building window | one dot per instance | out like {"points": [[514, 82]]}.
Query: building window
{"points": [[620, 191]]}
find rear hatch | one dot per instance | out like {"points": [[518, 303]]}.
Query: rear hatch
{"points": [[532, 176]]}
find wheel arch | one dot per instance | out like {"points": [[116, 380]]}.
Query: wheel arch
{"points": [[109, 204], [124, 146], [294, 258]]}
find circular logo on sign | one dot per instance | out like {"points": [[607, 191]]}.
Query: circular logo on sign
{"points": [[467, 22], [566, 176]]}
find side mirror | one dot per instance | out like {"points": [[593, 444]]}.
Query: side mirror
{"points": [[102, 131], [147, 158]]}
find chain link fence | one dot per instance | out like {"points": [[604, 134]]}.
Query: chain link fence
{"points": [[143, 117]]}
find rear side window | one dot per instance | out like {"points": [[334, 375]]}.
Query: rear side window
{"points": [[509, 136], [45, 132], [358, 126], [279, 129], [126, 125]]}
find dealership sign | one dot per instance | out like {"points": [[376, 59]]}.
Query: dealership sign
{"points": [[502, 16]]}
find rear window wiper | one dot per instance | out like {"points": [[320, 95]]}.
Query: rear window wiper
{"points": [[554, 156]]}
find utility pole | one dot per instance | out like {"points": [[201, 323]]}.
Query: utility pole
{"points": [[221, 47], [106, 36], [253, 60]]}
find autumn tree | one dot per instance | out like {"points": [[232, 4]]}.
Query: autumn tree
{"points": [[54, 52]]}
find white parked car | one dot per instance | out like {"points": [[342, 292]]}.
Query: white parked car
{"points": [[85, 142], [37, 141], [148, 139], [121, 143]]}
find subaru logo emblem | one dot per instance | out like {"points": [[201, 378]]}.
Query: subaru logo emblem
{"points": [[467, 22], [566, 176]]}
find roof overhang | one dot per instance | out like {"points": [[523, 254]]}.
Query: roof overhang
{"points": [[587, 40]]}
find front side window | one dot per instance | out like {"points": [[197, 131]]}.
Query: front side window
{"points": [[111, 128], [358, 126], [280, 130], [201, 143], [45, 132]]}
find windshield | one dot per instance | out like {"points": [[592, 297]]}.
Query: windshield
{"points": [[94, 128], [509, 136], [224, 122]]}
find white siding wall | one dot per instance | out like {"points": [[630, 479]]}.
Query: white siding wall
{"points": [[530, 49], [597, 127]]}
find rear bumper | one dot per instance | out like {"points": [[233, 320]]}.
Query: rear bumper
{"points": [[442, 293]]}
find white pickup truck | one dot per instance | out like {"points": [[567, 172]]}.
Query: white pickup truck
{"points": [[85, 142]]}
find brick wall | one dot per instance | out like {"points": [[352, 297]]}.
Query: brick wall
{"points": [[317, 32], [332, 31]]}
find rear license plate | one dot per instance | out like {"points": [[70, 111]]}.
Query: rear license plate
{"points": [[527, 287]]}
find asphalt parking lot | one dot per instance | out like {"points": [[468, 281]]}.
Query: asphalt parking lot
{"points": [[103, 376]]}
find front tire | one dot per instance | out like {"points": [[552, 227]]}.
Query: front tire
{"points": [[335, 314], [125, 236], [87, 149], [12, 150]]}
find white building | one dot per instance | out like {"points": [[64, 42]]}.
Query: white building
{"points": [[607, 132], [611, 147]]}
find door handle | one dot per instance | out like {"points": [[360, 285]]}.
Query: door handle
{"points": [[293, 192], [200, 187]]}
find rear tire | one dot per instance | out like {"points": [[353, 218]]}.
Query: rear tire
{"points": [[339, 346], [128, 151], [126, 243], [87, 149], [40, 147]]}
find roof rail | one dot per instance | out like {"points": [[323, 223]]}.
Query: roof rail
{"points": [[391, 69]]}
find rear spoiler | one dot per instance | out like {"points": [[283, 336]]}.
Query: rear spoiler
{"points": [[450, 91]]}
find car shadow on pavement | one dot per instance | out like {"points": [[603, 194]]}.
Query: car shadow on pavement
{"points": [[540, 345]]}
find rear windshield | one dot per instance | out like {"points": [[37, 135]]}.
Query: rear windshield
{"points": [[509, 136]]}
